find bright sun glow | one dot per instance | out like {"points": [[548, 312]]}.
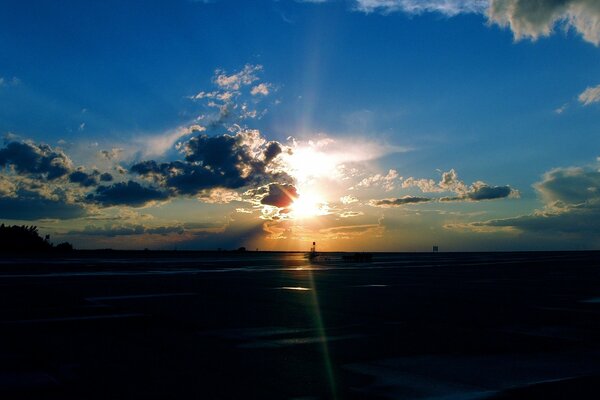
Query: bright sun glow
{"points": [[308, 205], [308, 162]]}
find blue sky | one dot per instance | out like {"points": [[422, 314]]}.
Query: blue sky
{"points": [[495, 91]]}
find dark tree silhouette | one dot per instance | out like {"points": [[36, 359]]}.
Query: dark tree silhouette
{"points": [[64, 247], [20, 239]]}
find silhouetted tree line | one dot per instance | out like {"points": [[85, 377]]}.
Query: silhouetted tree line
{"points": [[20, 239]]}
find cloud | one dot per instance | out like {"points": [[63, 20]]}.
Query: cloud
{"points": [[349, 199], [571, 205], [14, 81], [387, 182], [534, 19], [528, 19], [279, 195], [111, 230], [128, 193], [446, 7], [350, 214], [111, 154], [235, 81], [35, 207], [397, 202], [562, 108], [31, 205], [590, 95], [567, 187], [219, 196], [83, 179], [449, 182], [424, 185], [480, 191], [40, 160], [272, 150], [157, 145], [106, 177], [224, 161], [261, 88], [351, 232]]}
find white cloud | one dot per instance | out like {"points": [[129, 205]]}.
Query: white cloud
{"points": [[447, 7], [219, 196], [261, 88], [235, 81], [349, 199], [590, 95], [448, 183], [561, 109], [387, 182]]}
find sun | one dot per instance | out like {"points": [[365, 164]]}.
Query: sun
{"points": [[308, 205]]}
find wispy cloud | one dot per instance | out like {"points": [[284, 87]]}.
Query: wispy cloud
{"points": [[590, 95], [159, 144], [527, 19], [562, 108], [14, 81], [446, 7]]}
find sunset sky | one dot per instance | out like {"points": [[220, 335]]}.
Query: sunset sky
{"points": [[364, 125]]}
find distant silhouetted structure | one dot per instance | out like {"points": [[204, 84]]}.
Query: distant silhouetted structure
{"points": [[435, 249], [21, 239]]}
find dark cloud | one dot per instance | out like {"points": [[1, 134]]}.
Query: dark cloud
{"points": [[127, 230], [397, 202], [576, 220], [572, 205], [485, 192], [280, 195], [29, 205], [225, 161], [33, 159], [128, 193], [532, 19], [480, 191], [83, 179], [273, 150], [106, 177], [570, 186]]}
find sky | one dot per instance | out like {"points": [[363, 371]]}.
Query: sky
{"points": [[363, 125]]}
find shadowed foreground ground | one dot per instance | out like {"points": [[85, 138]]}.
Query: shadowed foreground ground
{"points": [[406, 326]]}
